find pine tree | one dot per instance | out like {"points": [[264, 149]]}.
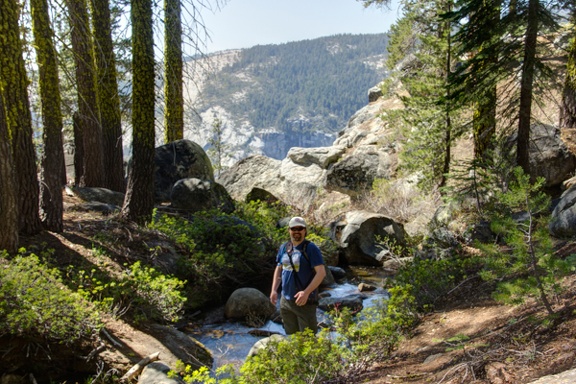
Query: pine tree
{"points": [[13, 85], [51, 204], [8, 199], [174, 102], [108, 97], [89, 116], [530, 269], [218, 147], [420, 53], [139, 199]]}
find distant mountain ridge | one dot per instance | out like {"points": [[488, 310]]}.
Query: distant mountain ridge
{"points": [[270, 98]]}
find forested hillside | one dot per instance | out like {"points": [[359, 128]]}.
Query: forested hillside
{"points": [[294, 94]]}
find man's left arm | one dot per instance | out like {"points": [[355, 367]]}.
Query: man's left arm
{"points": [[302, 296]]}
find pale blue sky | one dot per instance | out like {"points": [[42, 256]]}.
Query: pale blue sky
{"points": [[246, 23]]}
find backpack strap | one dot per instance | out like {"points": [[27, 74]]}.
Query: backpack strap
{"points": [[306, 242], [289, 247]]}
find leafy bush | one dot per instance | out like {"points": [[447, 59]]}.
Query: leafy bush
{"points": [[301, 358], [431, 280], [156, 295], [149, 294], [34, 303], [221, 251], [265, 216]]}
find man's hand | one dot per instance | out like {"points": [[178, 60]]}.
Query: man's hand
{"points": [[301, 298], [274, 297]]}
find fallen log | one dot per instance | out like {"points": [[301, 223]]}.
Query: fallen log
{"points": [[136, 369]]}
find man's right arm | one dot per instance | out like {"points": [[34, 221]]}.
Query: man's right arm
{"points": [[275, 284]]}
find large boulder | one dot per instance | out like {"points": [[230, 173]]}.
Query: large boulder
{"points": [[96, 194], [180, 159], [367, 238], [549, 155], [263, 343], [249, 303], [200, 195], [563, 223], [157, 373], [355, 174], [296, 180]]}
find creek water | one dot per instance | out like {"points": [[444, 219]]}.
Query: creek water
{"points": [[230, 342]]}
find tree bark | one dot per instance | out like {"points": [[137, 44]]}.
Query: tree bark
{"points": [[568, 109], [139, 199], [51, 205], [174, 102], [109, 99], [8, 200], [89, 116], [526, 86], [14, 83]]}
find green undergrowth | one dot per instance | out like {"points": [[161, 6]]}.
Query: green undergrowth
{"points": [[35, 304]]}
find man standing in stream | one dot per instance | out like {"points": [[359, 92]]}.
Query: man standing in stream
{"points": [[300, 269]]}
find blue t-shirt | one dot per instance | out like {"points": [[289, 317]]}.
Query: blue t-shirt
{"points": [[305, 270]]}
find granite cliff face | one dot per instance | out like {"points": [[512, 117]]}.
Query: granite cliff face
{"points": [[268, 99]]}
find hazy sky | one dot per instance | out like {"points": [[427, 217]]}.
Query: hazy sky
{"points": [[246, 23]]}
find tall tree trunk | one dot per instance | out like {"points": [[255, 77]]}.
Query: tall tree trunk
{"points": [[484, 125], [78, 148], [14, 84], [51, 205], [484, 120], [8, 199], [448, 128], [109, 100], [89, 116], [568, 109], [526, 86], [174, 102], [139, 200]]}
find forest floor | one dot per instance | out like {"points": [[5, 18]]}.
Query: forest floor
{"points": [[468, 338], [474, 339]]}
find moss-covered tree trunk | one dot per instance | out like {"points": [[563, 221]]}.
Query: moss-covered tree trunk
{"points": [[139, 200], [13, 85], [8, 200], [174, 102], [109, 100], [89, 116], [51, 205]]}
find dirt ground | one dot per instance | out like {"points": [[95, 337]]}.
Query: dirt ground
{"points": [[481, 341]]}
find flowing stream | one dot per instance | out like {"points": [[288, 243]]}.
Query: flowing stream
{"points": [[230, 342]]}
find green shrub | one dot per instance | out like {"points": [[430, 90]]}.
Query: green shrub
{"points": [[221, 253], [34, 303], [431, 279], [157, 296], [146, 292], [301, 358], [265, 216]]}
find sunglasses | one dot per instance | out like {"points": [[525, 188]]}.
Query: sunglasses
{"points": [[297, 229]]}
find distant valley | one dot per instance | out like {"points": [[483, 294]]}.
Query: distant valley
{"points": [[269, 98]]}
